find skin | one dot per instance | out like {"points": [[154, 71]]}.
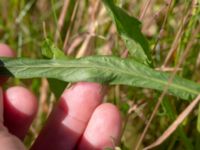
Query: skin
{"points": [[78, 121]]}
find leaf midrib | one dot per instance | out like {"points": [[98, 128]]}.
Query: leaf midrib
{"points": [[111, 70]]}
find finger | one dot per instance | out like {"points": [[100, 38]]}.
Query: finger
{"points": [[5, 51], [20, 108], [1, 105], [103, 130], [7, 140], [69, 119]]}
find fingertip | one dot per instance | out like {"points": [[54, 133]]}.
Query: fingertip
{"points": [[6, 51], [104, 128], [22, 100], [20, 108]]}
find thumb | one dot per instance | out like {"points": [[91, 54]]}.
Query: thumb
{"points": [[7, 140]]}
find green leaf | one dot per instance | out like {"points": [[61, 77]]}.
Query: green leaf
{"points": [[57, 86], [103, 69], [129, 28], [49, 50]]}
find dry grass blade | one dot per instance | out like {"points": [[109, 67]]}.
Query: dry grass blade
{"points": [[74, 44], [175, 124], [145, 9], [198, 61], [61, 19], [177, 39], [70, 26], [42, 101], [91, 30], [167, 69]]}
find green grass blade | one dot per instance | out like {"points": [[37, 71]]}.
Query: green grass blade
{"points": [[103, 69], [129, 29], [198, 119], [180, 133]]}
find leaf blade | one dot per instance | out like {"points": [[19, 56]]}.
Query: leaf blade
{"points": [[129, 29], [103, 69]]}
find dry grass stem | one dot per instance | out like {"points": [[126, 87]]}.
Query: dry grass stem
{"points": [[70, 26], [167, 69], [61, 19], [145, 9], [177, 39], [91, 30], [42, 100]]}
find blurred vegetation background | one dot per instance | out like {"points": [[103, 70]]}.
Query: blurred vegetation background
{"points": [[83, 27]]}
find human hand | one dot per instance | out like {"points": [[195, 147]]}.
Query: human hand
{"points": [[78, 121]]}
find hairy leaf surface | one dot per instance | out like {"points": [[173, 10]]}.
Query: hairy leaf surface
{"points": [[103, 69]]}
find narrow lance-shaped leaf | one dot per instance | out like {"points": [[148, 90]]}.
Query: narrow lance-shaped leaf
{"points": [[129, 28], [103, 69]]}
